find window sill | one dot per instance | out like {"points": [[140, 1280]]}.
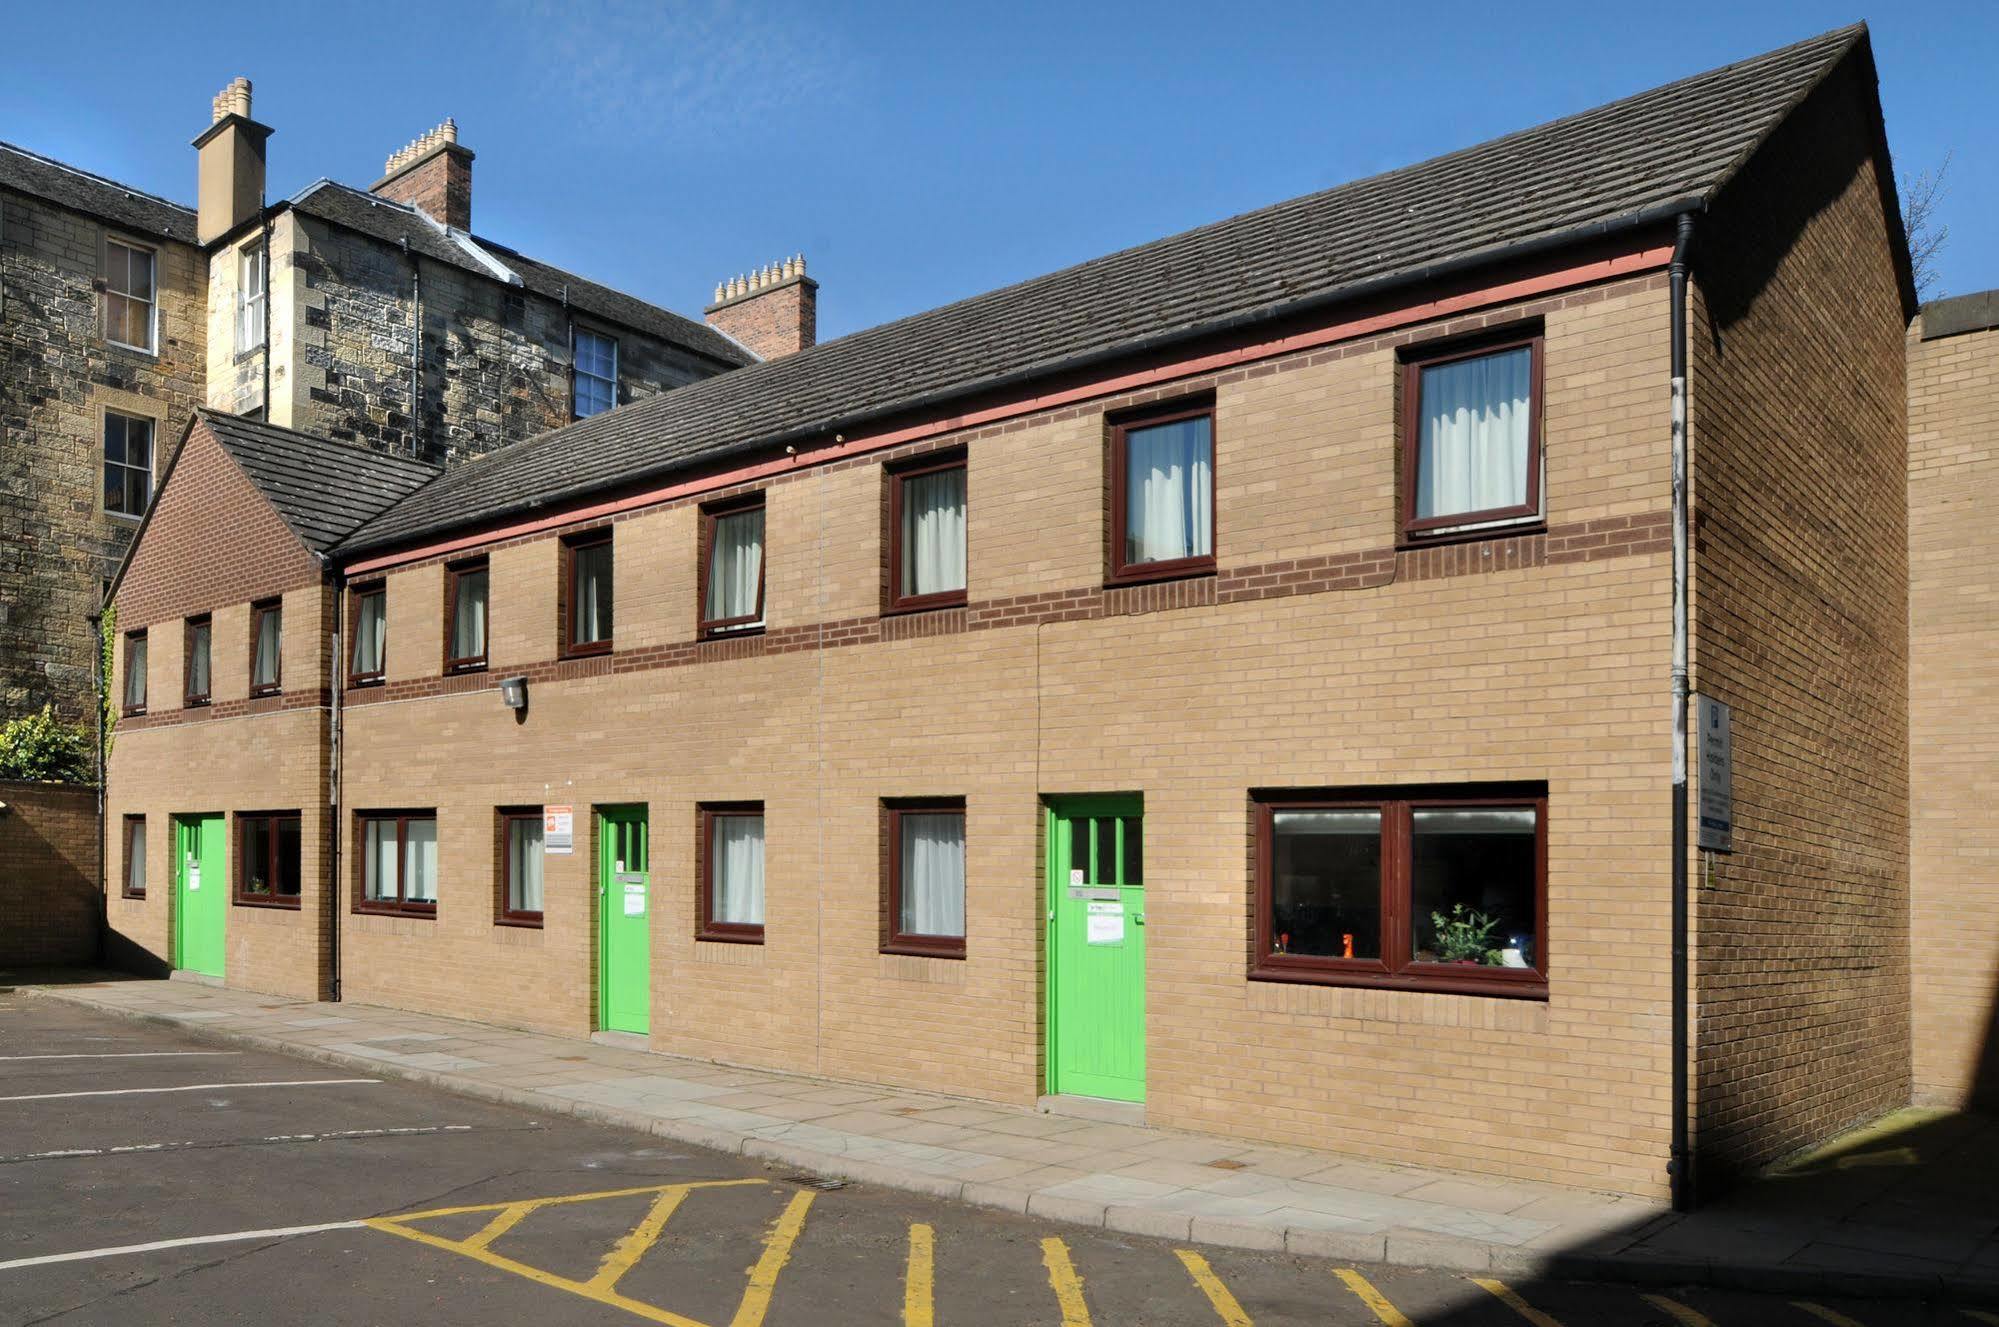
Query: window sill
{"points": [[123, 516], [195, 703], [248, 354], [520, 921], [130, 349], [139, 897], [1528, 986], [1508, 529], [1150, 573], [265, 693], [593, 650], [741, 935], [134, 712], [421, 911], [919, 949], [273, 904], [459, 668], [733, 633], [362, 683], [928, 603]]}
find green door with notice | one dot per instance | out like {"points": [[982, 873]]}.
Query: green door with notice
{"points": [[201, 894], [1096, 947], [624, 908]]}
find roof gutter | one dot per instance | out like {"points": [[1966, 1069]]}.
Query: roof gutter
{"points": [[1650, 216]]}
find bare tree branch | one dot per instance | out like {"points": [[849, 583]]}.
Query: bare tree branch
{"points": [[1920, 197]]}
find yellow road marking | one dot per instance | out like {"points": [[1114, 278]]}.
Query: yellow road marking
{"points": [[1211, 1285], [777, 1252], [1978, 1315], [1502, 1292], [640, 1238], [1373, 1298], [566, 1198], [1820, 1311], [508, 1218], [919, 1286], [1065, 1282], [1685, 1316]]}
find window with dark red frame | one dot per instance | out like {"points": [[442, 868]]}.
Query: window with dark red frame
{"points": [[923, 877], [732, 567], [730, 850], [197, 660], [395, 867], [268, 859], [135, 672], [1471, 436], [134, 881], [586, 593], [267, 648], [1423, 889], [465, 615], [1162, 473], [926, 533], [368, 623], [520, 846]]}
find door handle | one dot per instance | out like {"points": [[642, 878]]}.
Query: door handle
{"points": [[1138, 919]]}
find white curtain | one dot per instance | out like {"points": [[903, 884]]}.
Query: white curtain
{"points": [[1473, 453], [592, 610], [736, 566], [264, 673], [378, 858], [197, 661], [737, 847], [468, 617], [933, 874], [933, 532], [524, 863], [1169, 491], [369, 614], [135, 857], [420, 862], [135, 673]]}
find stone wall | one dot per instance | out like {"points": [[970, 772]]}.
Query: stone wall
{"points": [[48, 874]]}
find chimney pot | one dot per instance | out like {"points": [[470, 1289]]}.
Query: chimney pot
{"points": [[229, 181], [772, 309], [433, 174]]}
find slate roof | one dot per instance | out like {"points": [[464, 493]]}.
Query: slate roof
{"points": [[44, 177], [1631, 161], [323, 489], [393, 222]]}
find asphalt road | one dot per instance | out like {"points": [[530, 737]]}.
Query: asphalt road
{"points": [[343, 1199]]}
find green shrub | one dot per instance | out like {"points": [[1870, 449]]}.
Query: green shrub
{"points": [[45, 749]]}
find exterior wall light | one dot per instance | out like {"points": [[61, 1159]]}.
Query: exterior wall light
{"points": [[514, 691]]}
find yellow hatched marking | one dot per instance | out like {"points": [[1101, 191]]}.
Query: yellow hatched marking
{"points": [[1373, 1298], [508, 1218], [1681, 1313], [919, 1285], [1226, 1307], [1820, 1311], [535, 1203], [1502, 1292], [777, 1252], [640, 1238], [1067, 1284], [1979, 1315]]}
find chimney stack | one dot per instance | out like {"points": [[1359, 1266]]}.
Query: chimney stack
{"points": [[229, 189], [432, 174], [773, 310]]}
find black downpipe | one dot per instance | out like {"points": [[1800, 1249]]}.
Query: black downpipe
{"points": [[334, 775], [96, 621], [1680, 1166], [269, 411]]}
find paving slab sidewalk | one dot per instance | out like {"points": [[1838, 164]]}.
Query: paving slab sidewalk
{"points": [[1122, 1177]]}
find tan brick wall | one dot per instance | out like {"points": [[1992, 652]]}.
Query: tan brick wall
{"points": [[1799, 618], [48, 874], [1954, 713]]}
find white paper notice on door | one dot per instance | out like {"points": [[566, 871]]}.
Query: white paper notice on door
{"points": [[635, 900], [1105, 925]]}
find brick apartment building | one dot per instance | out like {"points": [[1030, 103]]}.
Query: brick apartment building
{"points": [[1231, 676], [121, 312]]}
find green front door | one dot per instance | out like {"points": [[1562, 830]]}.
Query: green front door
{"points": [[1096, 947], [201, 894], [624, 908]]}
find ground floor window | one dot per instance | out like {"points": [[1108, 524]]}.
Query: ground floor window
{"points": [[135, 857], [398, 866], [520, 866], [924, 880], [1429, 889], [731, 849], [268, 857]]}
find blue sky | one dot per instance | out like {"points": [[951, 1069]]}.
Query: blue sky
{"points": [[921, 152]]}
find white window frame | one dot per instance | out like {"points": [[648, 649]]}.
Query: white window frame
{"points": [[152, 303], [104, 461], [252, 259], [576, 366]]}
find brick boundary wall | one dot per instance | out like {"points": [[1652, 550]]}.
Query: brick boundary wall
{"points": [[49, 907]]}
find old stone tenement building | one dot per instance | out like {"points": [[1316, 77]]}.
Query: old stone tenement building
{"points": [[374, 316]]}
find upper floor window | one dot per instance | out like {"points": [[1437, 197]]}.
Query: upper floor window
{"points": [[1163, 494], [465, 624], [732, 571], [131, 295], [268, 860], [135, 857], [135, 672], [252, 287], [369, 610], [587, 591], [266, 647], [1471, 437], [196, 680], [925, 889], [927, 533], [398, 862], [128, 463], [596, 387]]}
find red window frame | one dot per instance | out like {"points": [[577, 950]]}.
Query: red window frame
{"points": [[356, 594], [471, 663], [244, 896], [133, 638], [189, 697], [566, 600], [898, 475], [728, 627], [125, 890], [258, 612], [1120, 571], [399, 906], [1449, 526], [1396, 969], [706, 927], [504, 913], [895, 940]]}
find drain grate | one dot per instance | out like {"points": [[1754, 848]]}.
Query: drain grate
{"points": [[823, 1183], [1226, 1164]]}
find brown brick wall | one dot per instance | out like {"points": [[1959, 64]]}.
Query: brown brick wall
{"points": [[1799, 620], [439, 185], [1954, 714], [48, 874], [775, 321]]}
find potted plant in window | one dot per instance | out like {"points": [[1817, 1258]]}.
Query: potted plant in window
{"points": [[1465, 936]]}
